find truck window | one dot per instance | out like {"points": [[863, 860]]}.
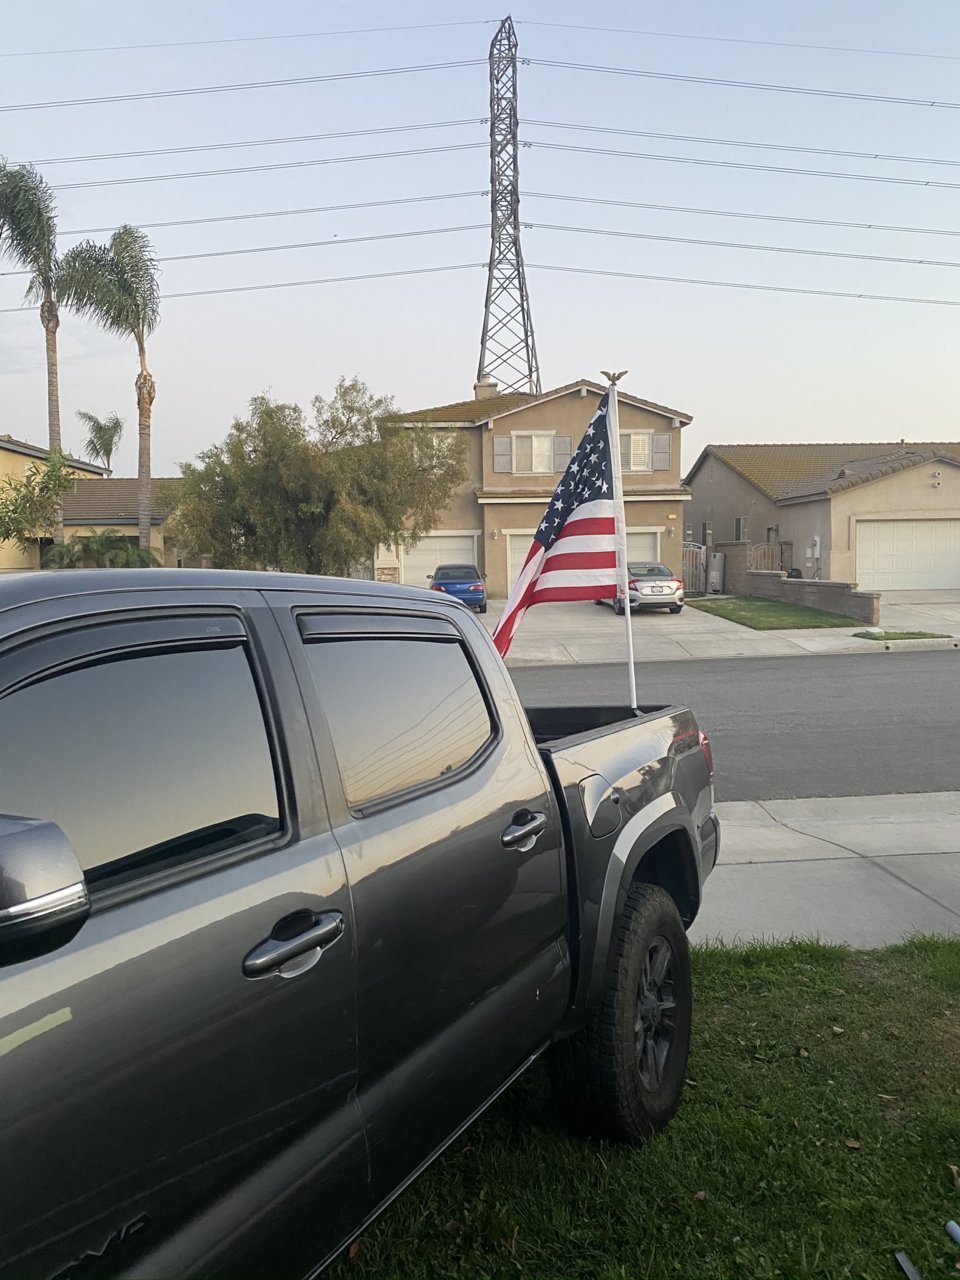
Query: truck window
{"points": [[144, 760], [402, 712]]}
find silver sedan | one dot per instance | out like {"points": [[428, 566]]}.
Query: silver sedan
{"points": [[652, 586]]}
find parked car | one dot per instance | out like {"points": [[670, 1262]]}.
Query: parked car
{"points": [[652, 586], [462, 581], [291, 888]]}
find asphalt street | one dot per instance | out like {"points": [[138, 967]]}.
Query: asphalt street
{"points": [[783, 728]]}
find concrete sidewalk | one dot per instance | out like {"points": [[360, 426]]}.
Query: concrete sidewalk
{"points": [[863, 870], [584, 632]]}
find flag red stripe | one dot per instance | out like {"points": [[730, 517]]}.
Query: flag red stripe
{"points": [[595, 525], [544, 594]]}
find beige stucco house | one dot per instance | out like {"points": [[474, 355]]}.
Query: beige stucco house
{"points": [[96, 503], [16, 456], [517, 447], [884, 516]]}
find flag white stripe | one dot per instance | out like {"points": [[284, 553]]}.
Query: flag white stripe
{"points": [[579, 578], [584, 542]]}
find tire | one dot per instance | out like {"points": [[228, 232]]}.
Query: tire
{"points": [[675, 608], [605, 1084], [482, 609], [618, 608]]}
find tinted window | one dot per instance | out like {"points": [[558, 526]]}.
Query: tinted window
{"points": [[457, 573], [401, 712], [649, 571], [159, 755]]}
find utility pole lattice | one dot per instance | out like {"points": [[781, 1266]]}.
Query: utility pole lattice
{"points": [[508, 352]]}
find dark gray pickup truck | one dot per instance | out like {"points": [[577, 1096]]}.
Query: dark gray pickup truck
{"points": [[291, 887]]}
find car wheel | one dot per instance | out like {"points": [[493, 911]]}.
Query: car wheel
{"points": [[622, 1074], [675, 608], [482, 609], [618, 607]]}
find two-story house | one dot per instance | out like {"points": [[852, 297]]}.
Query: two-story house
{"points": [[16, 456], [517, 446]]}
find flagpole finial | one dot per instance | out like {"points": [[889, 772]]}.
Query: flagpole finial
{"points": [[614, 378]]}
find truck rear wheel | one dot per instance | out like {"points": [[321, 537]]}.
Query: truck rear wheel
{"points": [[622, 1075]]}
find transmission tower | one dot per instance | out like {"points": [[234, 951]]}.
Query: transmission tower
{"points": [[508, 352]]}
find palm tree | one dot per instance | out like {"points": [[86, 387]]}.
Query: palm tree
{"points": [[108, 549], [103, 436], [116, 286], [28, 235]]}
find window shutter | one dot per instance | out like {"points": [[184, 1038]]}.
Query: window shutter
{"points": [[502, 453], [662, 452], [562, 452]]}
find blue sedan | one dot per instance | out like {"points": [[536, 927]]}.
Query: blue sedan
{"points": [[462, 581]]}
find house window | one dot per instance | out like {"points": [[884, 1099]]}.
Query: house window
{"points": [[739, 529], [533, 453], [636, 450]]}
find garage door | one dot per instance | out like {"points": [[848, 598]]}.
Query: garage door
{"points": [[640, 546], [908, 555], [434, 549]]}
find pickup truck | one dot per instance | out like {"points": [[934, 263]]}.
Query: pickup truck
{"points": [[291, 888]]}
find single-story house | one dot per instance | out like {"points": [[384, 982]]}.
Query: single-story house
{"points": [[884, 516], [15, 458], [517, 446], [113, 504]]}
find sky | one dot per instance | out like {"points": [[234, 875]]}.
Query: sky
{"points": [[749, 365]]}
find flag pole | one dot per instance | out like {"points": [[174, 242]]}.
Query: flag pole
{"points": [[620, 521]]}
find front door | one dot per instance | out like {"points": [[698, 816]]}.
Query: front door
{"points": [[463, 971], [164, 1110]]}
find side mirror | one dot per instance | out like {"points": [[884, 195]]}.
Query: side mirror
{"points": [[43, 895], [429, 577]]}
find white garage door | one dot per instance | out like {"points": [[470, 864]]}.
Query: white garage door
{"points": [[434, 549], [908, 555], [640, 546]]}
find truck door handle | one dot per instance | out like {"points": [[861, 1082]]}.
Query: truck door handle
{"points": [[295, 935], [523, 830]]}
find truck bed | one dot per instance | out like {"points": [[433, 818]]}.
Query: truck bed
{"points": [[558, 725]]}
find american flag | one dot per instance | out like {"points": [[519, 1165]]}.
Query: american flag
{"points": [[574, 551]]}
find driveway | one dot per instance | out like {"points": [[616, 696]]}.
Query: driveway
{"points": [[921, 611]]}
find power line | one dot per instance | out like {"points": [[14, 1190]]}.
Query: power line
{"points": [[527, 195], [304, 244], [241, 86], [298, 284], [737, 244], [265, 168], [739, 284], [765, 44], [744, 84], [736, 142], [283, 213], [588, 271], [743, 165], [735, 213], [264, 142], [336, 241], [293, 35]]}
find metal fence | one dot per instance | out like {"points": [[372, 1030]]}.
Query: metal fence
{"points": [[695, 568], [765, 555]]}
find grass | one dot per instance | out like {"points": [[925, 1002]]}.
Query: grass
{"points": [[770, 615], [902, 635], [821, 1116]]}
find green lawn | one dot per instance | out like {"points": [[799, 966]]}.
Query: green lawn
{"points": [[770, 615], [815, 1138], [902, 635]]}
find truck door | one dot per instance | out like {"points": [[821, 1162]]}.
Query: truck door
{"points": [[170, 1103], [453, 851]]}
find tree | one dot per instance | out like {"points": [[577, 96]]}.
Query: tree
{"points": [[30, 506], [28, 235], [108, 549], [116, 285], [103, 436], [282, 493]]}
